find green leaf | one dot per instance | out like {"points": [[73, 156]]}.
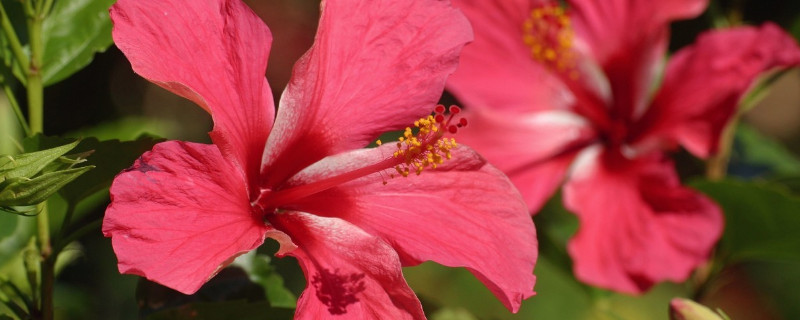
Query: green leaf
{"points": [[260, 271], [42, 142], [73, 32], [110, 158], [762, 222], [754, 149], [790, 182], [25, 191], [25, 178], [558, 295], [27, 165], [25, 211]]}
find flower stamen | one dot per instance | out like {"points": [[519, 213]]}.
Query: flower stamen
{"points": [[428, 148], [548, 32]]}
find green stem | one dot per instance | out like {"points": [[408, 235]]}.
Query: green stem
{"points": [[35, 86], [48, 280], [13, 41], [35, 105], [35, 111], [38, 6], [36, 121], [12, 100], [26, 5], [45, 250]]}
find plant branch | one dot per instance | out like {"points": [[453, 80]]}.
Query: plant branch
{"points": [[35, 90], [48, 5], [39, 5], [13, 40]]}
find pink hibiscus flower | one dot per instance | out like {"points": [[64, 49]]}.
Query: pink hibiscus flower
{"points": [[578, 92], [185, 210]]}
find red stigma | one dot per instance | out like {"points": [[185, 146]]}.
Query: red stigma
{"points": [[447, 121]]}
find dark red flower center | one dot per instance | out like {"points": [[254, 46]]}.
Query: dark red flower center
{"points": [[549, 35]]}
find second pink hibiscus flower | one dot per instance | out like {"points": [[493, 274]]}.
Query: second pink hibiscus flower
{"points": [[550, 89]]}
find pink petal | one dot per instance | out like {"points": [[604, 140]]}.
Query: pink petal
{"points": [[179, 215], [539, 181], [213, 52], [349, 273], [638, 225], [367, 73], [463, 214], [628, 39], [613, 26], [534, 149], [497, 70], [704, 83]]}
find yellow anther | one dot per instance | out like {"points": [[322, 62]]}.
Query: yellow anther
{"points": [[378, 142], [550, 55], [548, 32], [427, 148]]}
